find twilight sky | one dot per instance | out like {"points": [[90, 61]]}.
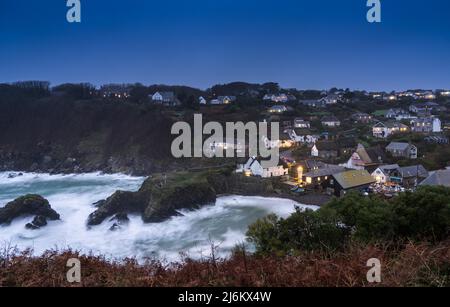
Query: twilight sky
{"points": [[304, 44]]}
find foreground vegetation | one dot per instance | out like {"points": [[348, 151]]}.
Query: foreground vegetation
{"points": [[422, 215], [415, 264], [329, 247]]}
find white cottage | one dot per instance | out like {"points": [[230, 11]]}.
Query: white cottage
{"points": [[254, 168]]}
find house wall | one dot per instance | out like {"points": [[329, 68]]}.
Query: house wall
{"points": [[379, 176], [340, 192]]}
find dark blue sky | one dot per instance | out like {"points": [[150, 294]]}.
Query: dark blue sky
{"points": [[304, 44]]}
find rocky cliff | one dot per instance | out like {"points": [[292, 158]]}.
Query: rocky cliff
{"points": [[162, 196]]}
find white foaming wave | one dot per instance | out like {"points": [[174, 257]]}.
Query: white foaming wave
{"points": [[24, 177], [223, 224]]}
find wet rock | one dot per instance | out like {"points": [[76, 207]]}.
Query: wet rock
{"points": [[121, 218], [38, 222], [159, 198], [115, 227], [26, 206], [120, 201]]}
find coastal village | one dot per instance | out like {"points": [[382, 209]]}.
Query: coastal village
{"points": [[332, 141], [337, 140]]}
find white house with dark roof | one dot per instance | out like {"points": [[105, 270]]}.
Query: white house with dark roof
{"points": [[313, 103], [331, 99], [301, 123], [253, 167], [278, 98], [223, 100], [383, 173], [426, 125], [278, 109], [330, 121], [423, 108], [398, 114], [402, 150], [384, 130], [167, 98]]}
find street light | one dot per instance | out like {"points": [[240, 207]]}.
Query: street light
{"points": [[300, 173]]}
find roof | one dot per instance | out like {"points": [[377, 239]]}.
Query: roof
{"points": [[413, 171], [397, 111], [389, 167], [425, 104], [360, 114], [327, 170], [395, 125], [327, 145], [424, 120], [376, 154], [397, 146], [314, 164], [312, 102], [167, 95], [441, 177], [330, 119], [370, 155], [300, 121], [278, 107], [386, 169], [353, 179]]}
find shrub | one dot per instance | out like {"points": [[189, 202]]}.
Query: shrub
{"points": [[422, 215]]}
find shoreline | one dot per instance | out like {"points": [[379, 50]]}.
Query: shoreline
{"points": [[306, 199]]}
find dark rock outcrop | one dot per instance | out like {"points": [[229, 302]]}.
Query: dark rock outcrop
{"points": [[120, 219], [119, 202], [38, 222], [159, 198], [26, 206], [163, 196]]}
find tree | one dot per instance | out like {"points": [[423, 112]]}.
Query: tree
{"points": [[370, 218], [302, 231], [139, 93], [424, 214]]}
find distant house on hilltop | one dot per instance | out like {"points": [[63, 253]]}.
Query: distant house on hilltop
{"points": [[277, 109], [278, 98], [301, 123], [115, 90], [384, 130], [424, 108], [331, 99], [165, 98], [362, 117], [426, 125], [398, 114], [313, 103], [330, 121], [223, 100]]}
